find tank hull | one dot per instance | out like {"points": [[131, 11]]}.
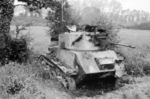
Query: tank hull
{"points": [[88, 63]]}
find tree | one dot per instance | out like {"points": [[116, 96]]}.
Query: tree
{"points": [[7, 11], [6, 15], [59, 18], [105, 15]]}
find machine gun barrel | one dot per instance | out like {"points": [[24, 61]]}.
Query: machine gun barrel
{"points": [[104, 37], [124, 45]]}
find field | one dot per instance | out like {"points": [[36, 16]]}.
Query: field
{"points": [[36, 88], [138, 38]]}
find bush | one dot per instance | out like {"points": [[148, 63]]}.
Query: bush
{"points": [[16, 49], [57, 22]]}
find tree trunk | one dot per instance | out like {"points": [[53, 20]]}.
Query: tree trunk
{"points": [[6, 15]]}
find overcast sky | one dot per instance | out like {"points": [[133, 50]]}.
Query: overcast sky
{"points": [[16, 2], [136, 4]]}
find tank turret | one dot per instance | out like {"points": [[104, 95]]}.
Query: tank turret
{"points": [[76, 41]]}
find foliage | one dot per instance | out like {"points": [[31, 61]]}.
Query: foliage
{"points": [[16, 50], [10, 49], [20, 81], [35, 5], [17, 47], [103, 19], [139, 65], [59, 18], [6, 14]]}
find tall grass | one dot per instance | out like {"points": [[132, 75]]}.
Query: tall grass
{"points": [[137, 60], [19, 81]]}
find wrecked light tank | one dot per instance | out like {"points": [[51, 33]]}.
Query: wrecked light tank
{"points": [[76, 59]]}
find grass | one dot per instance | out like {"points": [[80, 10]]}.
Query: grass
{"points": [[26, 82], [31, 85], [137, 90], [137, 60]]}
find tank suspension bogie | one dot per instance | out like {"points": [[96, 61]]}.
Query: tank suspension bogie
{"points": [[56, 72]]}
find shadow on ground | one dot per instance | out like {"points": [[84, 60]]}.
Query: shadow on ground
{"points": [[96, 87]]}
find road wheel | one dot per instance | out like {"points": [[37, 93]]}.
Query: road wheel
{"points": [[71, 85], [53, 74]]}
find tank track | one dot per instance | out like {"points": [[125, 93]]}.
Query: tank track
{"points": [[58, 71]]}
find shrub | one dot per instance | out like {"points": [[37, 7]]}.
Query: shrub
{"points": [[57, 21], [16, 49]]}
